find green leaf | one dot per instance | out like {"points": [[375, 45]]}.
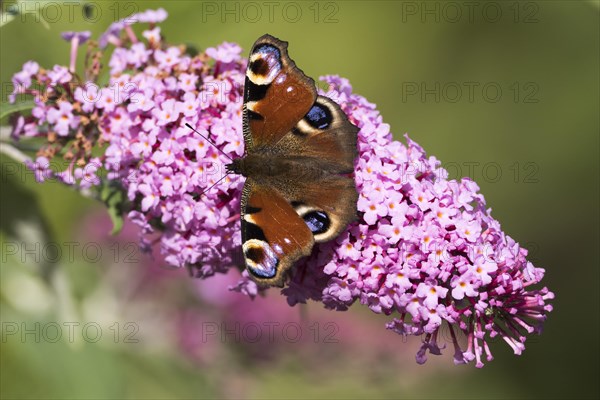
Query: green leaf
{"points": [[112, 195], [191, 49], [117, 220], [8, 109]]}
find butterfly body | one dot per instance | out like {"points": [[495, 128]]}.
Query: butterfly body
{"points": [[300, 151], [271, 167]]}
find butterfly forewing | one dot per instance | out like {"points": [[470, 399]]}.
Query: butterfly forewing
{"points": [[277, 94]]}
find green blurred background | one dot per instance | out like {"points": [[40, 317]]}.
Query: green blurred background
{"points": [[533, 149]]}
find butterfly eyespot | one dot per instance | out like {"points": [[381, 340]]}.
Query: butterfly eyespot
{"points": [[259, 67], [261, 260], [319, 116], [317, 221], [266, 51], [255, 254], [265, 64]]}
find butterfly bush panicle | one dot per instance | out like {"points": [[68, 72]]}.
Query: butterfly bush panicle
{"points": [[139, 120], [425, 249]]}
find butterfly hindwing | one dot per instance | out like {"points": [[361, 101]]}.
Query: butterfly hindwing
{"points": [[280, 227], [326, 206], [277, 94], [324, 136]]}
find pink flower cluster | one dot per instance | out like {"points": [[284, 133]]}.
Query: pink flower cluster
{"points": [[425, 249], [163, 167]]}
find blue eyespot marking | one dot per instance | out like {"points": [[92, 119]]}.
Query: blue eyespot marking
{"points": [[265, 64], [264, 261], [319, 116], [317, 221], [268, 50]]}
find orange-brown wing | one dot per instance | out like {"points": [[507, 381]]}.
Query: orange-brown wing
{"points": [[277, 94], [274, 236], [324, 137], [327, 205]]}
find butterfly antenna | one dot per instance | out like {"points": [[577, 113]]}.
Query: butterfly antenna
{"points": [[214, 184], [209, 141]]}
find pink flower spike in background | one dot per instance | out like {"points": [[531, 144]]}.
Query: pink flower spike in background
{"points": [[425, 250]]}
